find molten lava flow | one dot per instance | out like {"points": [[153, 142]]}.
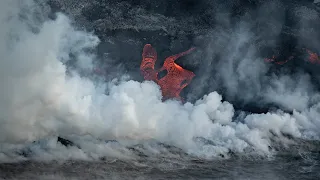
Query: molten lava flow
{"points": [[313, 57], [270, 59], [149, 58], [273, 59], [175, 79]]}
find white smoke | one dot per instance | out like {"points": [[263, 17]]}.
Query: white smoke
{"points": [[39, 99]]}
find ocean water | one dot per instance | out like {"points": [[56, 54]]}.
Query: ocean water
{"points": [[281, 167]]}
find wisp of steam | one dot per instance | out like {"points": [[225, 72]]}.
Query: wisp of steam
{"points": [[41, 98]]}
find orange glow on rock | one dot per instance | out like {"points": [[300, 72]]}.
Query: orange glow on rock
{"points": [[176, 77]]}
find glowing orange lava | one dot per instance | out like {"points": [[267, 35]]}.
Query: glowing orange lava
{"points": [[149, 58], [176, 77]]}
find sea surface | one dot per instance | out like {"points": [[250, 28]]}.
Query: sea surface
{"points": [[281, 167]]}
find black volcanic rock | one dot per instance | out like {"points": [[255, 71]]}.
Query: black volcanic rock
{"points": [[65, 142]]}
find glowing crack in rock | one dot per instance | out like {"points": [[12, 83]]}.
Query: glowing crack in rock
{"points": [[175, 79]]}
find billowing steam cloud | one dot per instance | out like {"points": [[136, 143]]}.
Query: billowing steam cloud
{"points": [[233, 61], [35, 87], [42, 97]]}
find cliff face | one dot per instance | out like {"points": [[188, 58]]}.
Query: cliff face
{"points": [[232, 38]]}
